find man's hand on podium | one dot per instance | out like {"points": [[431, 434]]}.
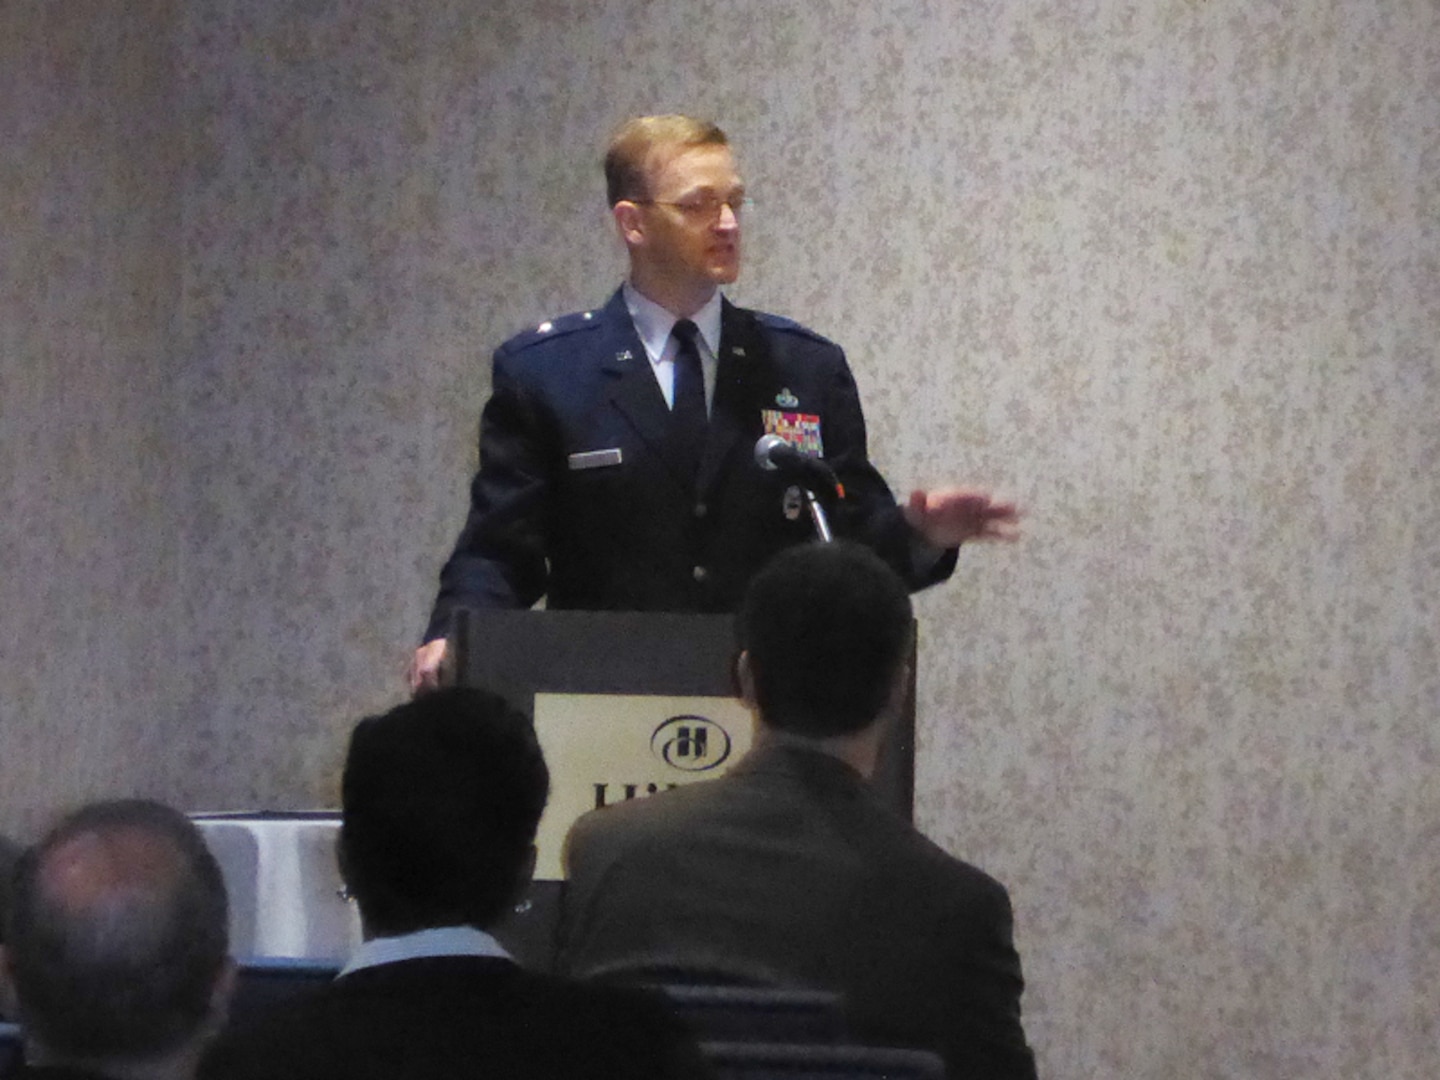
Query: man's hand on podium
{"points": [[423, 673]]}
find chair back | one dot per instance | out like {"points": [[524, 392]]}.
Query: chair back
{"points": [[11, 1049], [724, 1013], [265, 983], [792, 1061]]}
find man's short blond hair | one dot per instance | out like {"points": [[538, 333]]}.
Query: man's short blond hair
{"points": [[631, 156]]}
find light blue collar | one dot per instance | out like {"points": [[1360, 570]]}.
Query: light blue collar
{"points": [[436, 941], [654, 323]]}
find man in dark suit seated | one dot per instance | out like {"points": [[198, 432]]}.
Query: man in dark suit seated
{"points": [[116, 959], [788, 870], [441, 798]]}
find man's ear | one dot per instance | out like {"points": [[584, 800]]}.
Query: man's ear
{"points": [[527, 875], [342, 860], [221, 994], [628, 222], [745, 679], [899, 691]]}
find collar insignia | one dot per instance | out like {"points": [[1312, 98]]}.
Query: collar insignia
{"points": [[738, 351], [625, 355]]}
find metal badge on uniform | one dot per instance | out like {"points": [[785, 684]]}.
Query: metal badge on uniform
{"points": [[595, 459], [800, 430], [624, 355], [786, 400]]}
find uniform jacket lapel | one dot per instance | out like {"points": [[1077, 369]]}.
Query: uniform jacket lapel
{"points": [[744, 379], [743, 374], [633, 389]]}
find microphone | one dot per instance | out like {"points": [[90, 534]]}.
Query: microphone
{"points": [[773, 454]]}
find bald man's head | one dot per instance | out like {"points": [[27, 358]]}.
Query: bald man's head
{"points": [[117, 935]]}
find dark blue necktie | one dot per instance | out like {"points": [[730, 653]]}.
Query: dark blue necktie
{"points": [[688, 418]]}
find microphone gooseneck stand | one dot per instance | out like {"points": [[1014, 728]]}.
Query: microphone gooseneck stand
{"points": [[774, 454], [817, 516]]}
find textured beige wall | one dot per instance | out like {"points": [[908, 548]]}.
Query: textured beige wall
{"points": [[89, 287], [1168, 272]]}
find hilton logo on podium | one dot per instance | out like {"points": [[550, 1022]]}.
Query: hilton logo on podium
{"points": [[688, 742], [691, 743]]}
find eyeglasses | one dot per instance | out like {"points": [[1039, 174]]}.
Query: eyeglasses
{"points": [[704, 208]]}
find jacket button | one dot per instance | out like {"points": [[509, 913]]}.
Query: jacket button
{"points": [[700, 573]]}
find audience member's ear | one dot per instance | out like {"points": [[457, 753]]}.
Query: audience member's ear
{"points": [[526, 875], [221, 994], [342, 862], [745, 679], [894, 706], [9, 1006]]}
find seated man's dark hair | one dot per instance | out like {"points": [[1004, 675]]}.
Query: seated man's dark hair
{"points": [[123, 965], [827, 627], [441, 797]]}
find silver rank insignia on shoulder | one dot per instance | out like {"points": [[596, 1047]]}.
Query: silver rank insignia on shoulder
{"points": [[625, 355], [786, 400]]}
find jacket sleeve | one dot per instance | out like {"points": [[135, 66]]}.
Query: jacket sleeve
{"points": [[868, 513], [987, 1037], [499, 560]]}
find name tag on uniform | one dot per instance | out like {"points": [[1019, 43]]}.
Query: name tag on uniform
{"points": [[595, 459]]}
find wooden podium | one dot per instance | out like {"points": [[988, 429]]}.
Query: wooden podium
{"points": [[625, 704]]}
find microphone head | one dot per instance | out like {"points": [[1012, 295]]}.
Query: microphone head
{"points": [[765, 451]]}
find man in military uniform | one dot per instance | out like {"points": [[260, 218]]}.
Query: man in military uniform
{"points": [[617, 465]]}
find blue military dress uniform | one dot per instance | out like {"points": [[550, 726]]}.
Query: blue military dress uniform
{"points": [[577, 498]]}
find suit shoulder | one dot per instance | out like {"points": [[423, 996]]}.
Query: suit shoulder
{"points": [[899, 846], [559, 328], [779, 324], [626, 824], [954, 874]]}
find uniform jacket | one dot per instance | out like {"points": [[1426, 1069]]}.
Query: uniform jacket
{"points": [[622, 528], [787, 871]]}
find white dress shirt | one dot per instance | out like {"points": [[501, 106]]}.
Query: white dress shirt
{"points": [[655, 325]]}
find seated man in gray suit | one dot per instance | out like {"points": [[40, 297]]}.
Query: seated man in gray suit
{"points": [[788, 870], [440, 801], [116, 959]]}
